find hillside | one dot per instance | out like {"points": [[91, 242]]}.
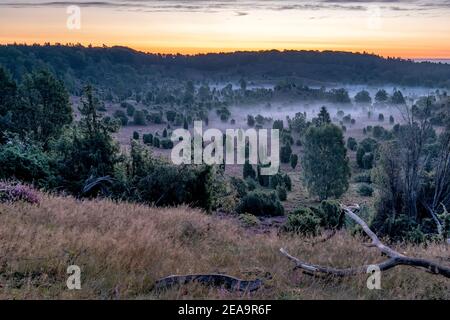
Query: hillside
{"points": [[121, 69], [123, 249]]}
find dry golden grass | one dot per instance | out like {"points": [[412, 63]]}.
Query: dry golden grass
{"points": [[123, 249]]}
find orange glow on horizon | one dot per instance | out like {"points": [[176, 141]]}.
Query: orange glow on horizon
{"points": [[399, 35]]}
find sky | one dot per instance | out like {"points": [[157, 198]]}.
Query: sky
{"points": [[407, 29]]}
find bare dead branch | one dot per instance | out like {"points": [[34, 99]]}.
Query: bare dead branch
{"points": [[375, 241], [395, 258], [216, 280]]}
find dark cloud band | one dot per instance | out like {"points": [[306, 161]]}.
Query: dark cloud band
{"points": [[239, 7]]}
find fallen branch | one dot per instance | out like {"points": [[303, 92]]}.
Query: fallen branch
{"points": [[216, 280], [395, 258]]}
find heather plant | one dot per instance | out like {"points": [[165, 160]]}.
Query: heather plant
{"points": [[13, 192]]}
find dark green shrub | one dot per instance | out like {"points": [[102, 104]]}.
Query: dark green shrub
{"points": [[380, 133], [171, 115], [286, 138], [240, 186], [167, 185], [365, 146], [155, 117], [250, 120], [365, 190], [303, 221], [294, 160], [166, 144], [260, 119], [367, 160], [263, 180], [130, 110], [276, 180], [261, 204], [139, 118], [224, 114], [179, 120], [120, 115], [147, 138], [25, 162], [278, 124], [330, 214], [224, 117], [249, 220], [285, 153], [156, 142], [135, 135], [400, 228], [287, 182]]}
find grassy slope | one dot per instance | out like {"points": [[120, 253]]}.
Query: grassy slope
{"points": [[123, 248]]}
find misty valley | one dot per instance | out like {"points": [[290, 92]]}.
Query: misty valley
{"points": [[150, 173]]}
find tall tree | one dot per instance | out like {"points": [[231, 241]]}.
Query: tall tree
{"points": [[43, 108], [87, 150], [323, 118], [398, 98], [363, 97], [325, 164], [299, 123], [413, 172], [381, 96]]}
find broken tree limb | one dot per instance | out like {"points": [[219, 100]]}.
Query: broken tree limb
{"points": [[383, 266], [216, 280], [375, 241], [395, 258]]}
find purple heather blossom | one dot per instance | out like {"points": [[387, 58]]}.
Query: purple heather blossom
{"points": [[12, 192]]}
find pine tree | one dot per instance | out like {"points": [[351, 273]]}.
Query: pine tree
{"points": [[323, 118], [325, 164]]}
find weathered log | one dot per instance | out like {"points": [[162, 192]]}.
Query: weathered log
{"points": [[395, 258], [217, 280]]}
